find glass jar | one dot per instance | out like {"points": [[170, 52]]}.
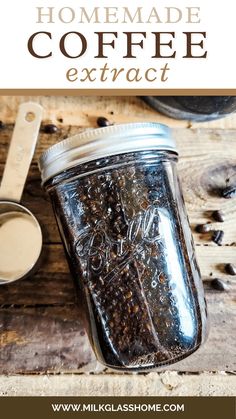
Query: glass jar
{"points": [[194, 108], [122, 219]]}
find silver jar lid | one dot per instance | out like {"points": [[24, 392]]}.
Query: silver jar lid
{"points": [[101, 142]]}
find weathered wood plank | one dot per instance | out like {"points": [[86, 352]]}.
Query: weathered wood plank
{"points": [[55, 325], [43, 339], [153, 384], [52, 339], [83, 110]]}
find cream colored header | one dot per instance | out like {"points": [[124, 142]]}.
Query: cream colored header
{"points": [[162, 45]]}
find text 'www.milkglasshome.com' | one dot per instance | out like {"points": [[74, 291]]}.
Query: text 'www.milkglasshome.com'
{"points": [[109, 407]]}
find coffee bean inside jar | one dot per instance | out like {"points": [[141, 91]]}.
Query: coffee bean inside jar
{"points": [[121, 215]]}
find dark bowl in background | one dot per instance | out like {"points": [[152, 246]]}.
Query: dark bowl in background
{"points": [[194, 108]]}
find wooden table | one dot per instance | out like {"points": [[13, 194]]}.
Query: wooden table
{"points": [[41, 331]]}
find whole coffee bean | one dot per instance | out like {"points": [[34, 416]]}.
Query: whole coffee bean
{"points": [[230, 269], [50, 129], [217, 237], [203, 228], [103, 122], [229, 192], [218, 216], [219, 285]]}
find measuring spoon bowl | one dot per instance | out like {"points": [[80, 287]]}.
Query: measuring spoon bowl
{"points": [[20, 242]]}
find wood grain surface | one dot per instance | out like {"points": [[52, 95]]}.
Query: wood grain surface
{"points": [[168, 383], [41, 328]]}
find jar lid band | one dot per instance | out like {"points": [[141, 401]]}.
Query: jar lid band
{"points": [[103, 142]]}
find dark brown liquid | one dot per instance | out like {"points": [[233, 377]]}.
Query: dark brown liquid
{"points": [[130, 251]]}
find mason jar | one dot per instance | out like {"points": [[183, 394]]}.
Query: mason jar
{"points": [[121, 215]]}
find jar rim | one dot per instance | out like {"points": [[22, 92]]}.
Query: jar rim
{"points": [[98, 143]]}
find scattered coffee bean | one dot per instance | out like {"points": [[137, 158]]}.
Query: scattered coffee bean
{"points": [[203, 228], [2, 126], [50, 129], [218, 216], [217, 237], [229, 192], [230, 269], [219, 285], [103, 122]]}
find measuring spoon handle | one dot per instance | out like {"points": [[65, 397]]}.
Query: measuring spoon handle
{"points": [[21, 151]]}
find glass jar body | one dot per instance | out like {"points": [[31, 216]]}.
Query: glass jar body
{"points": [[128, 242], [194, 108]]}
